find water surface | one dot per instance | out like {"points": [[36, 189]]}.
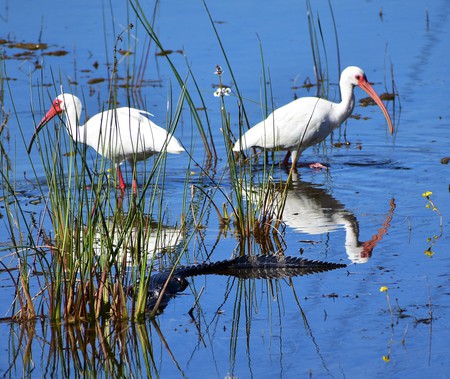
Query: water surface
{"points": [[341, 323]]}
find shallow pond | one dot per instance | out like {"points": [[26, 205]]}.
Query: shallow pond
{"points": [[332, 324]]}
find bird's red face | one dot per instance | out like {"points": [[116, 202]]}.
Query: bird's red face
{"points": [[52, 112], [57, 108], [362, 83]]}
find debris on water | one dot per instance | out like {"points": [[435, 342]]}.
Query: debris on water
{"points": [[426, 321], [331, 295], [36, 200], [307, 83], [340, 144], [96, 80], [386, 96], [309, 242], [125, 52], [445, 160], [25, 54], [167, 52], [57, 53], [28, 45], [357, 116]]}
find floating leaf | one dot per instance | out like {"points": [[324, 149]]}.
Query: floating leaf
{"points": [[57, 53], [28, 46], [96, 80], [364, 102]]}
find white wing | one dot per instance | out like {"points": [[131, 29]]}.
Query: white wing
{"points": [[126, 134], [301, 123]]}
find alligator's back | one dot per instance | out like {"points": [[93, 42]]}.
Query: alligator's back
{"points": [[245, 267], [260, 266]]}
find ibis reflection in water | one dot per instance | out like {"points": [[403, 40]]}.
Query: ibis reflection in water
{"points": [[130, 244], [311, 210]]}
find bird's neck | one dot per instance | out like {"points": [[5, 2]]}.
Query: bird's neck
{"points": [[74, 129], [345, 108], [353, 246]]}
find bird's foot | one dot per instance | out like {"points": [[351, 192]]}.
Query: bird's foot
{"points": [[314, 165], [318, 166]]}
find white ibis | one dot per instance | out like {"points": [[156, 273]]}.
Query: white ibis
{"points": [[308, 120], [121, 134]]}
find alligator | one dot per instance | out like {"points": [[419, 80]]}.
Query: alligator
{"points": [[243, 267]]}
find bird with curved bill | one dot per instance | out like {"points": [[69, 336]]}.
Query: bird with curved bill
{"points": [[120, 134], [308, 121]]}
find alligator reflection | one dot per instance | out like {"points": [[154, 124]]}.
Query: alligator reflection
{"points": [[312, 210], [166, 285]]}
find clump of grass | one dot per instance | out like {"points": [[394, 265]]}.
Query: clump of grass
{"points": [[257, 199], [98, 249], [252, 198], [101, 242]]}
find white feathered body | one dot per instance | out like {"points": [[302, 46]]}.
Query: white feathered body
{"points": [[309, 120], [295, 126], [121, 134]]}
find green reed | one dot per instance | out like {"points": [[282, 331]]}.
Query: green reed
{"points": [[98, 246], [208, 143], [254, 215]]}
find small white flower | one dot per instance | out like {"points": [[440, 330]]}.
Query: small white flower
{"points": [[222, 91]]}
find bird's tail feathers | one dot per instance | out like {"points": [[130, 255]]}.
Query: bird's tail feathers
{"points": [[174, 147], [240, 145]]}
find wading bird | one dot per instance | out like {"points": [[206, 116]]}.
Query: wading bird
{"points": [[121, 134], [308, 120]]}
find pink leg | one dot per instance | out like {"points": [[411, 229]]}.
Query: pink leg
{"points": [[122, 184]]}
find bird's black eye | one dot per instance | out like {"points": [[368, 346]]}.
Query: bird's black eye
{"points": [[358, 77]]}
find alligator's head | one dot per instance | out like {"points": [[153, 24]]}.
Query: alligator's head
{"points": [[177, 283]]}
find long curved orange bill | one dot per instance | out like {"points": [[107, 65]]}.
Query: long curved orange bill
{"points": [[52, 112], [365, 85]]}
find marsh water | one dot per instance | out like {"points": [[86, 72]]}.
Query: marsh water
{"points": [[367, 210]]}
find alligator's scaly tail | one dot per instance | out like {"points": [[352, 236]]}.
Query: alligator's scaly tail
{"points": [[260, 266], [245, 267]]}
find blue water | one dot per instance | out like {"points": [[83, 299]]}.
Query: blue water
{"points": [[341, 326]]}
